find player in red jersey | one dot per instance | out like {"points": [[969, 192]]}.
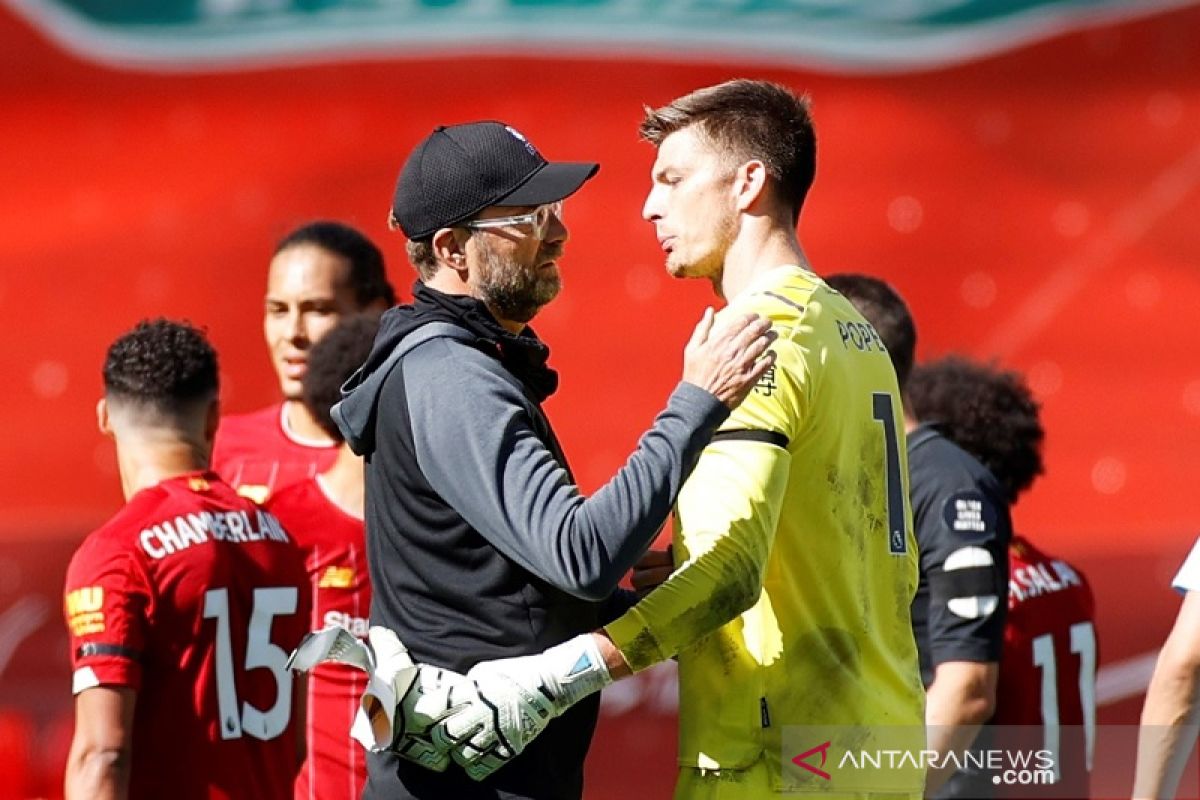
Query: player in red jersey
{"points": [[319, 273], [1048, 668], [325, 515], [183, 607]]}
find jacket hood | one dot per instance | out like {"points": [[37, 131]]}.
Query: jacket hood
{"points": [[355, 414]]}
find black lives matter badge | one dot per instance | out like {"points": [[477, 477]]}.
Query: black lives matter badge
{"points": [[970, 516]]}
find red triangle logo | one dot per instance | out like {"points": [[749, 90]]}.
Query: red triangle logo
{"points": [[802, 760]]}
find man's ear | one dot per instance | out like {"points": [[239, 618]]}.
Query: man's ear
{"points": [[102, 420], [451, 250], [750, 184]]}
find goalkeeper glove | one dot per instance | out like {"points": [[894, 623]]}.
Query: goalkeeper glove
{"points": [[517, 699], [404, 704]]}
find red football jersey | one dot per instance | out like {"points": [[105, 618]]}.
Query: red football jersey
{"points": [[1048, 670], [257, 454], [336, 560], [193, 596]]}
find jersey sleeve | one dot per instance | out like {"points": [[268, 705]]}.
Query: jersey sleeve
{"points": [[726, 515], [963, 539], [774, 410], [106, 601]]}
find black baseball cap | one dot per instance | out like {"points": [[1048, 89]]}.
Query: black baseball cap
{"points": [[459, 170]]}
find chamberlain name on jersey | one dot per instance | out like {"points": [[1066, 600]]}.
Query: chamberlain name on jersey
{"points": [[1035, 580], [178, 534]]}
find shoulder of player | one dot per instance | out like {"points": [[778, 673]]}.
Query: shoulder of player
{"points": [[932, 454], [119, 533], [252, 420], [291, 496], [295, 503], [145, 506], [240, 434], [783, 296], [1023, 553]]}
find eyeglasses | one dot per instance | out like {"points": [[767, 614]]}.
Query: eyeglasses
{"points": [[538, 220]]}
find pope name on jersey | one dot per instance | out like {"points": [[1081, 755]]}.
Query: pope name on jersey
{"points": [[192, 597]]}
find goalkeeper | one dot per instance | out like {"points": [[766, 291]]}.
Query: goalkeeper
{"points": [[479, 544], [796, 563]]}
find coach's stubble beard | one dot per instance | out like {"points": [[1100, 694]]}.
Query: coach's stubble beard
{"points": [[514, 291]]}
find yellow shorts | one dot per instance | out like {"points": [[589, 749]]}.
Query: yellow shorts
{"points": [[726, 784], [754, 783]]}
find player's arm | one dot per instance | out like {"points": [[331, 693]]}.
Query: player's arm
{"points": [[105, 598], [728, 512], [101, 753], [1170, 718], [961, 698], [963, 541]]}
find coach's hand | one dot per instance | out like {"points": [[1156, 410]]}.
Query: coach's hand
{"points": [[652, 569], [517, 699], [729, 357]]}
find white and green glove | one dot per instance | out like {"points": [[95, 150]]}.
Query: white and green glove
{"points": [[517, 698], [405, 704]]}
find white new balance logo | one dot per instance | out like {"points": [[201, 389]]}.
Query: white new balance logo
{"points": [[518, 135]]}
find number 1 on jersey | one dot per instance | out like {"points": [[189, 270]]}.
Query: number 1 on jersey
{"points": [[884, 413]]}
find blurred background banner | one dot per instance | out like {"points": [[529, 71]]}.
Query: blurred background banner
{"points": [[845, 34], [1026, 173]]}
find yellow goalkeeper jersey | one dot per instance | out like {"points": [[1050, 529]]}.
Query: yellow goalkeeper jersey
{"points": [[795, 558]]}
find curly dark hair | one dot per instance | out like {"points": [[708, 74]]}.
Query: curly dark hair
{"points": [[987, 411], [167, 365], [883, 307], [368, 275], [332, 360]]}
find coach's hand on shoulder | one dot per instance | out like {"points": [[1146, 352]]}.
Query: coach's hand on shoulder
{"points": [[729, 357], [517, 699]]}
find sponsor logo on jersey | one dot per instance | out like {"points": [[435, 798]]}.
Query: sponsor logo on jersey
{"points": [[85, 610], [254, 492], [186, 530], [336, 578], [359, 626]]}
